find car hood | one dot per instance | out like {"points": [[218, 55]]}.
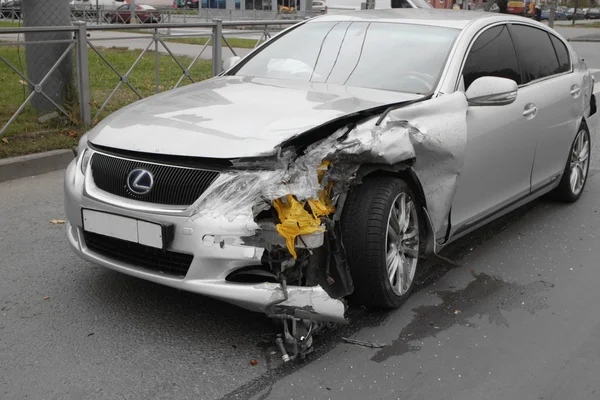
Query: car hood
{"points": [[230, 116]]}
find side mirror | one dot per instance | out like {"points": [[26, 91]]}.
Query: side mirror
{"points": [[492, 91], [230, 62]]}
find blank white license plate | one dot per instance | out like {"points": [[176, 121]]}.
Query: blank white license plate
{"points": [[130, 229]]}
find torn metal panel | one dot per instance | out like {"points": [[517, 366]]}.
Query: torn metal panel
{"points": [[302, 192], [439, 149], [431, 135]]}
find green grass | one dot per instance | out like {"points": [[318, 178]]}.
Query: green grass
{"points": [[10, 24], [590, 25], [595, 25], [233, 42], [27, 135], [193, 12]]}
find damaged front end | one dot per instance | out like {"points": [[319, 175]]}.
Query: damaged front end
{"points": [[295, 198]]}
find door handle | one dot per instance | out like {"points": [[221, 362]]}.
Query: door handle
{"points": [[575, 91], [530, 110]]}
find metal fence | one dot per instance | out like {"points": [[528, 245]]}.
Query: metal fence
{"points": [[94, 42], [103, 15]]}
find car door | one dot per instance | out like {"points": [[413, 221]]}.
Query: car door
{"points": [[500, 139], [548, 72]]}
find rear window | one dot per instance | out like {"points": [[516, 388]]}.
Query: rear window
{"points": [[535, 51], [564, 61]]}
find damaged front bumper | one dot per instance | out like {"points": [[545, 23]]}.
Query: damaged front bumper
{"points": [[217, 249]]}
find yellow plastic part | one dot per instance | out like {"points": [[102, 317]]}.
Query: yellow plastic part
{"points": [[296, 220]]}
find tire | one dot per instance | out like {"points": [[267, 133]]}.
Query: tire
{"points": [[568, 191], [365, 219]]}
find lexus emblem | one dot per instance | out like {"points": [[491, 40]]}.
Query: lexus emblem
{"points": [[140, 181]]}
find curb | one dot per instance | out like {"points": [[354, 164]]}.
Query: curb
{"points": [[34, 164]]}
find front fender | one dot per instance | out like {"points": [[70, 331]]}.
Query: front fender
{"points": [[439, 151]]}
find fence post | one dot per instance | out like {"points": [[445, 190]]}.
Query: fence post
{"points": [[217, 50], [156, 57], [169, 21], [83, 74]]}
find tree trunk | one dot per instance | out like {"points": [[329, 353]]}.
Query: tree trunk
{"points": [[42, 57]]}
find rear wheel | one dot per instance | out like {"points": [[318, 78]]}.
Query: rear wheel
{"points": [[576, 170], [384, 235]]}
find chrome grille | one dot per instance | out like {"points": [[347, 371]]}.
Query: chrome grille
{"points": [[173, 185]]}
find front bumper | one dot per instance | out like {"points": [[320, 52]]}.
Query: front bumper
{"points": [[215, 244]]}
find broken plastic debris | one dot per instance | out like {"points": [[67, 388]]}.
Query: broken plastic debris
{"points": [[253, 362], [46, 297], [364, 343], [57, 221]]}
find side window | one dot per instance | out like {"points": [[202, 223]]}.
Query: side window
{"points": [[564, 61], [492, 54], [536, 53]]}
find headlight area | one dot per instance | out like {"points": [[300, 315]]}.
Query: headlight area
{"points": [[83, 154]]}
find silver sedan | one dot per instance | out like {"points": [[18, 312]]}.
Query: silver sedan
{"points": [[327, 163]]}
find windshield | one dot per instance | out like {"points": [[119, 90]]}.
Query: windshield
{"points": [[375, 55]]}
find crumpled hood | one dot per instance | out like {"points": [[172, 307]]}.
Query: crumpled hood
{"points": [[230, 116]]}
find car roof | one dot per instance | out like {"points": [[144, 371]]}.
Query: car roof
{"points": [[457, 19]]}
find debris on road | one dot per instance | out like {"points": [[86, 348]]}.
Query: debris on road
{"points": [[364, 343], [57, 221]]}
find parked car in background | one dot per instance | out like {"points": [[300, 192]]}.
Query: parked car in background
{"points": [[593, 13], [516, 7], [346, 5], [559, 15], [481, 7], [122, 15], [319, 6], [11, 10], [191, 3], [571, 14]]}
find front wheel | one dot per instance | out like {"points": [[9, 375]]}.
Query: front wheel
{"points": [[576, 170], [384, 234]]}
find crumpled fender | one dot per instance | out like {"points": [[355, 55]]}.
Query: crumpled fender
{"points": [[439, 150]]}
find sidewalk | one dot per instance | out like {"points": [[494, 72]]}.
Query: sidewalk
{"points": [[139, 41]]}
